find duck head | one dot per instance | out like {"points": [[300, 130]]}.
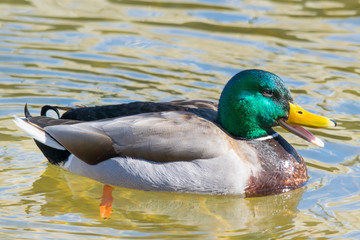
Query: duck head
{"points": [[254, 101]]}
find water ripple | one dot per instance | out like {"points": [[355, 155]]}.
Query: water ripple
{"points": [[104, 52]]}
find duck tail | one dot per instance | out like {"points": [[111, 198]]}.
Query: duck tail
{"points": [[53, 150], [37, 133]]}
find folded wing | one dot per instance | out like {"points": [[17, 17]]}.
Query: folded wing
{"points": [[158, 137]]}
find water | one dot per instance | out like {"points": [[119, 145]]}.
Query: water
{"points": [[102, 52]]}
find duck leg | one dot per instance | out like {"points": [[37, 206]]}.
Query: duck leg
{"points": [[106, 202]]}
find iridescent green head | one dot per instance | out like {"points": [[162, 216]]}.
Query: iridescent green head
{"points": [[252, 102]]}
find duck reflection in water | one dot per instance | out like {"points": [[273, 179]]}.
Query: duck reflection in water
{"points": [[135, 209]]}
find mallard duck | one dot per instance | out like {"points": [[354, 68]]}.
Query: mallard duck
{"points": [[193, 146]]}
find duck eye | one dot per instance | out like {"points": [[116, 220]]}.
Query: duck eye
{"points": [[267, 93]]}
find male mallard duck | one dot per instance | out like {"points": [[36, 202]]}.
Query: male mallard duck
{"points": [[192, 146]]}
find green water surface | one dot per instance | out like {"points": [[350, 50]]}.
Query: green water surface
{"points": [[94, 52]]}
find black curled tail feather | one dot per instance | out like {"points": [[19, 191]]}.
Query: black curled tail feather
{"points": [[43, 112], [26, 111], [46, 108]]}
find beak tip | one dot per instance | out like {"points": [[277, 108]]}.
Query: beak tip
{"points": [[335, 124]]}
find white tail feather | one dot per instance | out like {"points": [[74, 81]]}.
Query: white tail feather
{"points": [[37, 133]]}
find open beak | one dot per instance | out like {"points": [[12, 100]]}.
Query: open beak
{"points": [[298, 116]]}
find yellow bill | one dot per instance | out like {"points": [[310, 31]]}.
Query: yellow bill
{"points": [[300, 117]]}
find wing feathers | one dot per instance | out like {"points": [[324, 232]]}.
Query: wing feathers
{"points": [[89, 145], [167, 137], [155, 136]]}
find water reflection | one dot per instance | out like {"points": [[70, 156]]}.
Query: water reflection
{"points": [[161, 211]]}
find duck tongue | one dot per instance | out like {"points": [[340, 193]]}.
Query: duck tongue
{"points": [[302, 132]]}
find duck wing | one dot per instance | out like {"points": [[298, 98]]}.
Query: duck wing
{"points": [[156, 136]]}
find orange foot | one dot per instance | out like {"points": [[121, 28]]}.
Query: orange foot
{"points": [[106, 202]]}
